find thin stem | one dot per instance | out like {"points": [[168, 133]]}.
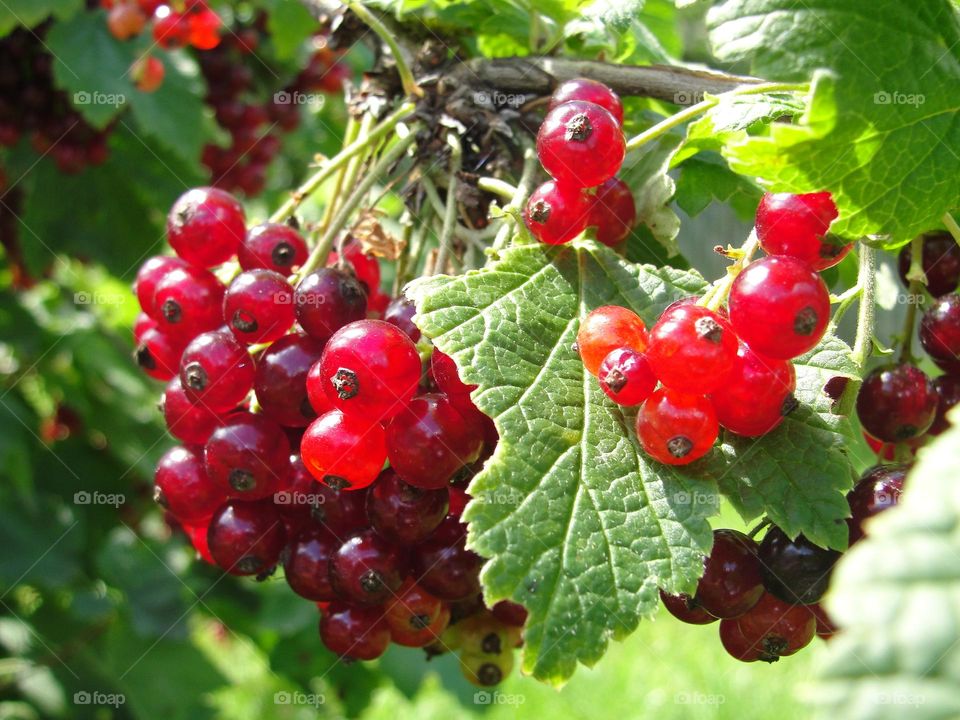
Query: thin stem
{"points": [[450, 211], [319, 253], [866, 316], [497, 187], [340, 160], [667, 124], [410, 86], [952, 226], [844, 302], [915, 273], [906, 348], [355, 132], [404, 258], [718, 292], [523, 190]]}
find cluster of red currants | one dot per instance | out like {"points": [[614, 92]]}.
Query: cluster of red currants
{"points": [[722, 368], [767, 596], [581, 145], [175, 24], [31, 104], [253, 116], [289, 401], [898, 402]]}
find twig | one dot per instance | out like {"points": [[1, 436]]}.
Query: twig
{"points": [[410, 86], [450, 211]]}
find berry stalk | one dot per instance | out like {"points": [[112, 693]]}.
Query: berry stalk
{"points": [[717, 294], [450, 211], [523, 190], [952, 226]]}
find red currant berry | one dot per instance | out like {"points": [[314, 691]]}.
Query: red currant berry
{"points": [[826, 628], [258, 306], [342, 512], [686, 609], [676, 428], [149, 274], [795, 571], [125, 21], [188, 421], [606, 329], [272, 246], [249, 457], [897, 403], [400, 312], [413, 610], [940, 261], [306, 565], [878, 489], [590, 91], [613, 212], [691, 349], [354, 631], [370, 369], [409, 636], [430, 441], [246, 538], [141, 324], [777, 628], [556, 213], [367, 569], [756, 394], [188, 301], [797, 226], [281, 380], [449, 571], [328, 299], [948, 393], [779, 307], [217, 371], [626, 377], [365, 266], [296, 500], [206, 226], [737, 644], [402, 513], [158, 354], [204, 29], [446, 376], [315, 392], [731, 583], [344, 451], [510, 613], [183, 487], [580, 144], [940, 332]]}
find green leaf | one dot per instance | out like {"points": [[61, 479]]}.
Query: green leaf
{"points": [[29, 13], [579, 526], [895, 595], [798, 474], [290, 24], [880, 129], [705, 179], [646, 173]]}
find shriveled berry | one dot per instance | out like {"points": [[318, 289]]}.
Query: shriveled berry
{"points": [[344, 451], [756, 394], [272, 246], [606, 329], [626, 377], [206, 226], [691, 349], [676, 428], [896, 402]]}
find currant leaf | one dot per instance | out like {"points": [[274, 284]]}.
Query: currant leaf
{"points": [[646, 172], [879, 127], [894, 597], [799, 473], [29, 13], [580, 527]]}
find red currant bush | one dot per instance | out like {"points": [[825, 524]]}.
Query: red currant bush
{"points": [[691, 349], [606, 329], [897, 403], [590, 91], [206, 226], [557, 213], [779, 307], [258, 306], [796, 226], [344, 451], [676, 428], [580, 144], [756, 394]]}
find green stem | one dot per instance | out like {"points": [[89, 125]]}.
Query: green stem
{"points": [[844, 302], [909, 323], [404, 258], [718, 292], [867, 314], [450, 211], [952, 226], [522, 192], [410, 86], [355, 132], [916, 273], [319, 253], [668, 124], [497, 187], [339, 161]]}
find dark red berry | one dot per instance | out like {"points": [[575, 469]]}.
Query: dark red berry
{"points": [[370, 369], [402, 513], [896, 403], [731, 583], [446, 376], [613, 212], [188, 301], [400, 312], [940, 261], [580, 144], [189, 421], [797, 226], [586, 90], [449, 571], [676, 428], [365, 266], [170, 29], [354, 631], [158, 354], [691, 349], [795, 571], [779, 307], [306, 565], [367, 569], [878, 489], [342, 512], [557, 213], [258, 306], [206, 226], [626, 377], [281, 379], [272, 246], [217, 371], [948, 394], [246, 538], [737, 644], [328, 299], [344, 451], [183, 487], [249, 457], [940, 332], [150, 273], [756, 395], [775, 628], [686, 609]]}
